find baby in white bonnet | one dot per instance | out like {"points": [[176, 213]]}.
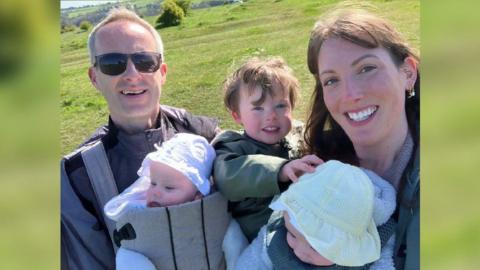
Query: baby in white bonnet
{"points": [[177, 172]]}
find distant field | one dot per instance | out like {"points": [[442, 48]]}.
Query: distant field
{"points": [[204, 49], [80, 11], [139, 4]]}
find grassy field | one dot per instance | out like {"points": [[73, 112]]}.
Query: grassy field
{"points": [[450, 142], [204, 49]]}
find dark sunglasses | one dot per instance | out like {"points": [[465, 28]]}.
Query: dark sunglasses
{"points": [[116, 63]]}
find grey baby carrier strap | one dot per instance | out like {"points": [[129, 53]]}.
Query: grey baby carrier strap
{"points": [[101, 179], [185, 236]]}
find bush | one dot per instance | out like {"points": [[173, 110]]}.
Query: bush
{"points": [[85, 25], [172, 15], [184, 5], [67, 28]]}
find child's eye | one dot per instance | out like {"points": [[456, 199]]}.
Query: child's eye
{"points": [[153, 184], [169, 188], [257, 108], [281, 106], [367, 68]]}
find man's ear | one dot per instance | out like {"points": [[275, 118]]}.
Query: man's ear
{"points": [[93, 76], [236, 117], [409, 67], [163, 71]]}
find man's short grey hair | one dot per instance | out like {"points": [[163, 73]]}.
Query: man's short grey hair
{"points": [[122, 14]]}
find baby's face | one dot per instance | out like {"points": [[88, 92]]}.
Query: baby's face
{"points": [[169, 187], [301, 247]]}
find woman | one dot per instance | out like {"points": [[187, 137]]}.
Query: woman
{"points": [[365, 111]]}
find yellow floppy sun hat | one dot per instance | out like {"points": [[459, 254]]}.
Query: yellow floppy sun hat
{"points": [[332, 208]]}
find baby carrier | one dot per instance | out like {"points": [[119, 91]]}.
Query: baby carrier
{"points": [[186, 236]]}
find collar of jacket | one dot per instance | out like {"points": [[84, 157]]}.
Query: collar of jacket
{"points": [[282, 144], [400, 162], [139, 143]]}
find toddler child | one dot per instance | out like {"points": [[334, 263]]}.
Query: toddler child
{"points": [[254, 165], [336, 210], [164, 218]]}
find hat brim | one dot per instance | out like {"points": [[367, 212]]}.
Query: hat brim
{"points": [[345, 248]]}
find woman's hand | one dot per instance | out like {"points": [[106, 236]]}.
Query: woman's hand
{"points": [[297, 167], [301, 248]]}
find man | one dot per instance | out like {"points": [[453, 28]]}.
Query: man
{"points": [[128, 69]]}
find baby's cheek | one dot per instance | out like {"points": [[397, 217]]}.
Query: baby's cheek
{"points": [[291, 240], [149, 195]]}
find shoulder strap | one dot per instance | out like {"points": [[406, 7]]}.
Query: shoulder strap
{"points": [[101, 179], [386, 230]]}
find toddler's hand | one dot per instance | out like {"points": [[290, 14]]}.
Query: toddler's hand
{"points": [[295, 168]]}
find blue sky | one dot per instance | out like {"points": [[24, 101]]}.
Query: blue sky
{"points": [[67, 4]]}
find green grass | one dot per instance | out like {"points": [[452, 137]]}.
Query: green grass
{"points": [[450, 146], [203, 50], [30, 194]]}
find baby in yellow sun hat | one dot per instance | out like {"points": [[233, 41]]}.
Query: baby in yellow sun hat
{"points": [[342, 211]]}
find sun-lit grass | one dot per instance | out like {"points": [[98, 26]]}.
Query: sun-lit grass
{"points": [[29, 227], [450, 231], [204, 49]]}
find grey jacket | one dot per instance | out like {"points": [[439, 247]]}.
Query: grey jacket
{"points": [[407, 244], [85, 243]]}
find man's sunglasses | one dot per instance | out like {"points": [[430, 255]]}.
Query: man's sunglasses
{"points": [[116, 63]]}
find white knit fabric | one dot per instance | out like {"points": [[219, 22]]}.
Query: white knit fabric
{"points": [[234, 243]]}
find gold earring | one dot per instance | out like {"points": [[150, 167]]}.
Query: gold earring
{"points": [[410, 92]]}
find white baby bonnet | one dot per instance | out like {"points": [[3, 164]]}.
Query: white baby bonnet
{"points": [[187, 153], [332, 208]]}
